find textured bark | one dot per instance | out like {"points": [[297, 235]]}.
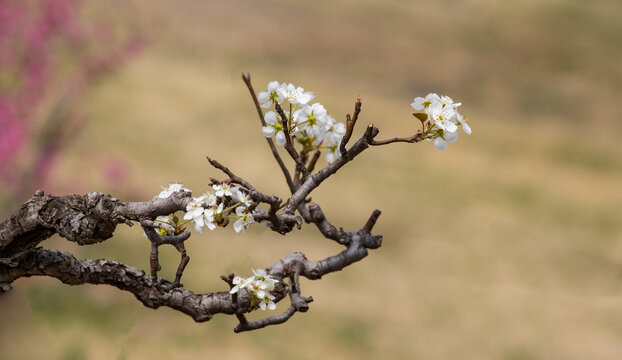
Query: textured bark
{"points": [[40, 217]]}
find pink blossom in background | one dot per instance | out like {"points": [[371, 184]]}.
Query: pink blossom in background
{"points": [[38, 38], [115, 171]]}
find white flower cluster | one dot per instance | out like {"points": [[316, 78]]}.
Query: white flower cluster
{"points": [[258, 288], [226, 203], [444, 119], [309, 124], [172, 187]]}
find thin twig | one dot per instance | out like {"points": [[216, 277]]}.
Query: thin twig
{"points": [[313, 161], [275, 153], [289, 145], [413, 139], [350, 123]]}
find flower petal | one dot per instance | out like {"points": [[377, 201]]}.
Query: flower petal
{"points": [[451, 137], [450, 126], [280, 138], [440, 144]]}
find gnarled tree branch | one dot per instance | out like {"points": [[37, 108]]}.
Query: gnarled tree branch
{"points": [[93, 218]]}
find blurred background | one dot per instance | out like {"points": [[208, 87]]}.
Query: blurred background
{"points": [[505, 246]]}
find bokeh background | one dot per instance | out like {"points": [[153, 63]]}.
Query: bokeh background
{"points": [[508, 245]]}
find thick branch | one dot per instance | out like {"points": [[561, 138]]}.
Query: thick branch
{"points": [[100, 211], [87, 219]]}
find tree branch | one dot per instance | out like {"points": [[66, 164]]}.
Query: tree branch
{"points": [[44, 215], [93, 218]]}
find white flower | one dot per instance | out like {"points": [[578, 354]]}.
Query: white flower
{"points": [[258, 288], [267, 281], [194, 208], [440, 144], [444, 119], [210, 199], [424, 103], [255, 288], [335, 132], [295, 95], [268, 97], [241, 197], [168, 191], [243, 221], [443, 116], [240, 283], [314, 117], [465, 125], [451, 137], [223, 189], [447, 101], [274, 127], [268, 300], [260, 273], [194, 212], [208, 214]]}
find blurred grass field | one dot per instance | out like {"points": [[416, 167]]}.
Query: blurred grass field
{"points": [[508, 245]]}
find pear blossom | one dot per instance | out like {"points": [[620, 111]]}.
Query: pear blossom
{"points": [[335, 131], [314, 117], [274, 127], [268, 282], [443, 116], [451, 137], [448, 102], [210, 199], [443, 119], [440, 144], [465, 125], [270, 96], [424, 103], [194, 208], [258, 288], [208, 214], [269, 301], [222, 190], [241, 197], [168, 191], [243, 221], [295, 95], [194, 212], [240, 283]]}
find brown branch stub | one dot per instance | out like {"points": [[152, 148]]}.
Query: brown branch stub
{"points": [[350, 123], [369, 225]]}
